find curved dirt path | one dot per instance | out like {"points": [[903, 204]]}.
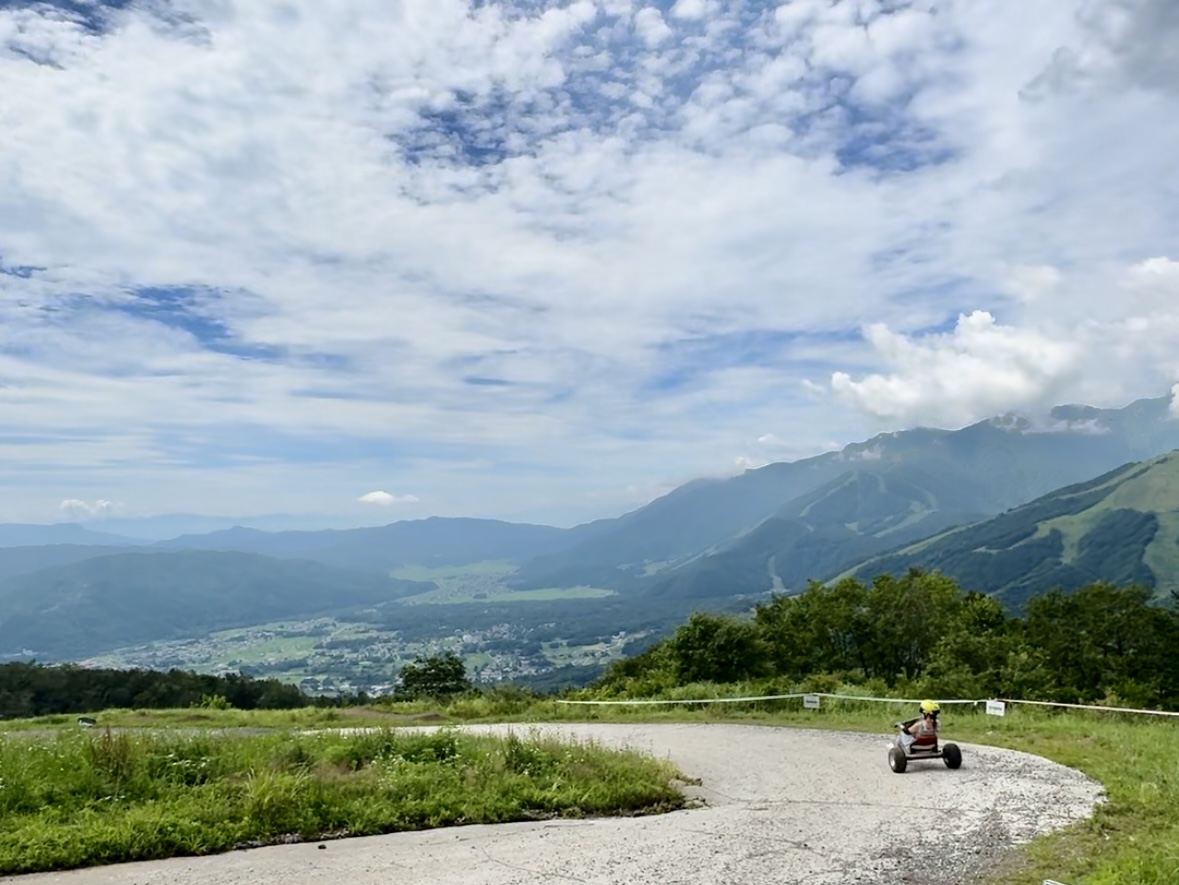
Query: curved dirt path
{"points": [[779, 805]]}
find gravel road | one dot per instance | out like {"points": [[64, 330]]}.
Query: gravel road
{"points": [[778, 805]]}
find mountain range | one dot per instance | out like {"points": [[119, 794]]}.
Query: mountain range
{"points": [[1121, 527], [1004, 505]]}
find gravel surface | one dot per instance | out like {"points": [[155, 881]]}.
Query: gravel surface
{"points": [[775, 805]]}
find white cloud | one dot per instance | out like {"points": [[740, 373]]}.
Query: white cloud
{"points": [[474, 248], [1032, 283], [385, 499], [693, 10], [651, 27], [1156, 270], [75, 508], [979, 369]]}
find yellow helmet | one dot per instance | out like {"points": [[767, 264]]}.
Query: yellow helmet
{"points": [[930, 707]]}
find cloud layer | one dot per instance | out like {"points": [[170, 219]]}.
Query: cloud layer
{"points": [[542, 260]]}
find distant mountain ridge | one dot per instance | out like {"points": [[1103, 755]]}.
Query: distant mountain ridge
{"points": [[33, 535], [435, 541]]}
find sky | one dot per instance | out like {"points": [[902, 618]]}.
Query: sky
{"points": [[544, 261]]}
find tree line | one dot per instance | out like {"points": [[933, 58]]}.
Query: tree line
{"points": [[31, 689], [922, 633]]}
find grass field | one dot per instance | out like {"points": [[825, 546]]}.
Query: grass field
{"points": [[71, 799], [488, 569], [482, 582], [446, 595]]}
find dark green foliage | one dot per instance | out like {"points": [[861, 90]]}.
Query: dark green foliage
{"points": [[710, 648], [908, 617], [437, 676], [975, 647], [821, 630], [885, 632], [1098, 643], [35, 690], [1102, 639]]}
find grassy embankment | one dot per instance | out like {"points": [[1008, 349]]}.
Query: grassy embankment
{"points": [[71, 798]]}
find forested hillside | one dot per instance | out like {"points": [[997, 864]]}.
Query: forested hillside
{"points": [[1122, 527], [36, 690], [922, 634]]}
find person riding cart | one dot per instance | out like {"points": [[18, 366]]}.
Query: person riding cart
{"points": [[923, 729]]}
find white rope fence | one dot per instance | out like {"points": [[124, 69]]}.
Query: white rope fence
{"points": [[1092, 707], [994, 706], [764, 697]]}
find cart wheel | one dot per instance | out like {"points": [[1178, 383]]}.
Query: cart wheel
{"points": [[896, 760], [952, 755]]}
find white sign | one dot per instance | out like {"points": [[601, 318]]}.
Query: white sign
{"points": [[996, 708], [810, 701]]}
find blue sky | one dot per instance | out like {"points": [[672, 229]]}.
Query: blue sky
{"points": [[546, 261]]}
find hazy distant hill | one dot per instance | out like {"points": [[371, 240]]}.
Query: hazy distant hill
{"points": [[31, 535], [1122, 527], [129, 598], [23, 560], [436, 541], [164, 526]]}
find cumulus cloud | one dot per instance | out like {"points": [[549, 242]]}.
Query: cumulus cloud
{"points": [[1160, 269], [692, 9], [978, 369], [385, 499], [75, 508], [651, 27], [745, 462]]}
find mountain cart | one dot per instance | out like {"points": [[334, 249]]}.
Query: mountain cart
{"points": [[923, 747]]}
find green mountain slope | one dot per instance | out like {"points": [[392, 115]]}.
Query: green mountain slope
{"points": [[841, 522], [23, 560], [103, 603], [1122, 527]]}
